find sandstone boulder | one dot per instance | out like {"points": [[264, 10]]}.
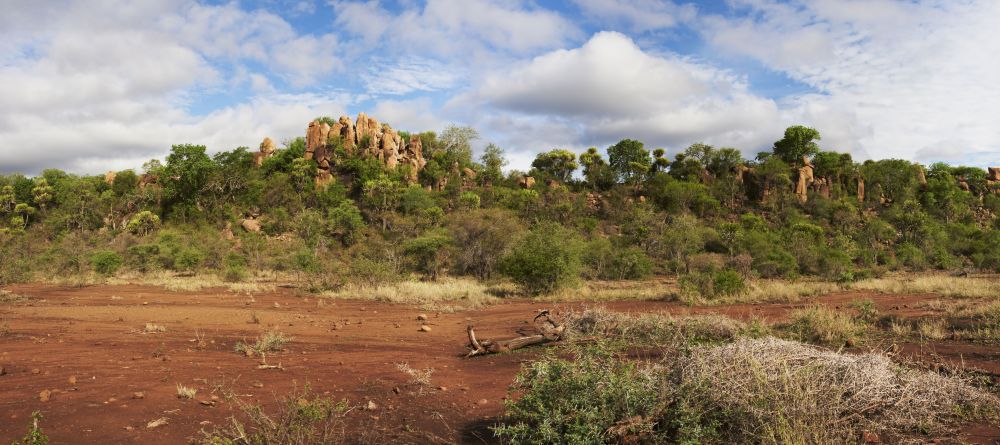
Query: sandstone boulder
{"points": [[251, 225], [526, 182]]}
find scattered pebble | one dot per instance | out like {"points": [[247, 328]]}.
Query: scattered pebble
{"points": [[483, 401], [157, 423], [425, 328], [258, 385], [44, 395], [36, 371], [138, 395], [72, 380], [422, 317], [371, 406]]}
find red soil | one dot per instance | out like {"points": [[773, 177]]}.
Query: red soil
{"points": [[344, 349]]}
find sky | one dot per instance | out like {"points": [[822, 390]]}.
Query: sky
{"points": [[97, 85]]}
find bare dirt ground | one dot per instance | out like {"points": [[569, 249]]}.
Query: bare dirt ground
{"points": [[87, 347]]}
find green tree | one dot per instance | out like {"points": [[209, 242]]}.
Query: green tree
{"points": [[799, 141], [557, 164], [7, 199], [382, 195], [430, 252], [596, 170], [457, 143], [629, 160], [23, 213], [493, 161], [187, 171], [346, 222], [42, 193]]}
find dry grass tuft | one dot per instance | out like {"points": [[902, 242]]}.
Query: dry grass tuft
{"points": [[616, 291], [153, 328], [775, 391], [933, 328], [445, 295], [944, 285], [8, 297], [421, 377], [270, 341], [185, 393], [779, 291], [822, 325], [653, 329], [173, 282]]}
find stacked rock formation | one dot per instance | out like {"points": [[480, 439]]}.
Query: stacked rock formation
{"points": [[365, 137], [266, 150], [805, 180]]}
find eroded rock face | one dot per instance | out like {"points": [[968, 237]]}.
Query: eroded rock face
{"points": [[994, 174], [367, 138], [526, 182]]}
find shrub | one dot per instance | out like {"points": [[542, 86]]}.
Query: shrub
{"points": [[303, 419], [142, 257], [372, 272], [548, 258], [235, 267], [106, 262], [188, 259], [482, 238], [143, 223], [468, 200], [592, 399], [35, 436], [713, 284], [606, 262]]}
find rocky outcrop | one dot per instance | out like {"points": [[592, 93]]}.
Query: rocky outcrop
{"points": [[921, 175], [993, 174], [861, 189], [526, 182], [250, 224], [365, 137], [805, 180], [266, 151]]}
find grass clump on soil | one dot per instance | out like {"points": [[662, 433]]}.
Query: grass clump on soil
{"points": [[8, 297], [763, 391], [270, 341], [185, 393], [302, 419], [446, 294], [153, 328], [825, 326]]}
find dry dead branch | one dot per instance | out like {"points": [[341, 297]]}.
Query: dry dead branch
{"points": [[549, 330]]}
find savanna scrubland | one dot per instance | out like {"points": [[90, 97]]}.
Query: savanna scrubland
{"points": [[797, 297]]}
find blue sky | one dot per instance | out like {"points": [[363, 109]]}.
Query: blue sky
{"points": [[90, 86]]}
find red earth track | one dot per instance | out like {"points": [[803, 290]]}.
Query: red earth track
{"points": [[346, 349]]}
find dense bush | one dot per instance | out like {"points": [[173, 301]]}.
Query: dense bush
{"points": [[106, 262], [546, 259]]}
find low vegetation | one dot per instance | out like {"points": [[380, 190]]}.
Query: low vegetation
{"points": [[720, 381], [34, 436], [303, 418], [270, 341]]}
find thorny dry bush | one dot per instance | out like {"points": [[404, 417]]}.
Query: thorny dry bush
{"points": [[723, 381], [778, 391]]}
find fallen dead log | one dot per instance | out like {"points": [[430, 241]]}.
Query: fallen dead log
{"points": [[549, 330]]}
